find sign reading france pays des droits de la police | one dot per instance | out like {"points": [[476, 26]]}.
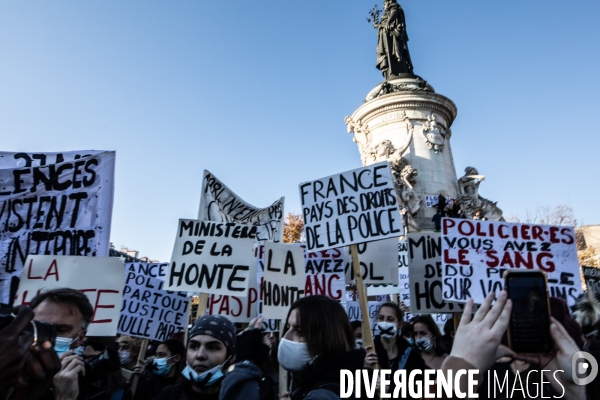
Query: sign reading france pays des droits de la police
{"points": [[355, 206]]}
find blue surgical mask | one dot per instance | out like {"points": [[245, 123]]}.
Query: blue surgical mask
{"points": [[161, 368], [62, 345], [206, 378], [410, 341]]}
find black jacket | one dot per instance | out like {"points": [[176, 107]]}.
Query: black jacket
{"points": [[413, 362], [322, 381]]}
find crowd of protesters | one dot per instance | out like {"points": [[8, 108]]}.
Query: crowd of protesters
{"points": [[45, 353]]}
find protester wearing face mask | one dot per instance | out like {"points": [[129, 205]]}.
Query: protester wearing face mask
{"points": [[318, 343], [210, 350], [357, 327], [129, 349], [70, 312], [164, 370], [392, 351], [428, 341]]}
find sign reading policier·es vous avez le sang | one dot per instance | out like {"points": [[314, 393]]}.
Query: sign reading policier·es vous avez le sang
{"points": [[476, 253]]}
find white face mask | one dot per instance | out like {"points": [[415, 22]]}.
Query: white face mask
{"points": [[359, 343], [125, 357], [424, 344], [293, 356], [387, 330]]}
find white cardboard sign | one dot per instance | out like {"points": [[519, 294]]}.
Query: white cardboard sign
{"points": [[476, 254], [211, 257], [378, 262], [100, 278], [53, 203], [284, 279], [356, 206], [148, 311], [425, 254]]}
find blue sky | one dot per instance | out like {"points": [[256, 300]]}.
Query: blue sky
{"points": [[256, 92]]}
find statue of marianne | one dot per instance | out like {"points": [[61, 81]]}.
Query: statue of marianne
{"points": [[393, 57]]}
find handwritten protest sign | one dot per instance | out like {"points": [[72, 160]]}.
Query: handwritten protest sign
{"points": [[53, 203], [324, 273], [148, 311], [236, 309], [425, 271], [433, 201], [219, 203], [592, 278], [378, 262], [100, 278], [476, 254], [354, 314], [352, 207], [284, 279], [239, 309], [211, 257]]}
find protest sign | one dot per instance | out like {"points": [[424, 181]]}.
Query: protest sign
{"points": [[476, 254], [219, 203], [424, 250], [352, 207], [53, 204], [284, 279], [591, 276], [211, 257], [354, 314], [236, 309], [100, 278], [324, 273], [148, 311], [378, 262], [239, 309]]}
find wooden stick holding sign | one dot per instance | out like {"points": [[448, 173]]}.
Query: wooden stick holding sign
{"points": [[362, 301], [140, 360]]}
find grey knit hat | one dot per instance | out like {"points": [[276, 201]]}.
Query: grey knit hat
{"points": [[218, 327]]}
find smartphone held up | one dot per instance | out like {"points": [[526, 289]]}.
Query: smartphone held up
{"points": [[529, 327]]}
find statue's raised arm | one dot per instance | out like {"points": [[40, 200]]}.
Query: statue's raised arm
{"points": [[393, 58]]}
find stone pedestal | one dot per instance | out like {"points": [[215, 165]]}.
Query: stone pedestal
{"points": [[406, 123]]}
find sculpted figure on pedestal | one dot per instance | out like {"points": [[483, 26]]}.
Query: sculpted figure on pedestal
{"points": [[404, 179], [435, 134], [471, 203], [393, 57], [361, 137]]}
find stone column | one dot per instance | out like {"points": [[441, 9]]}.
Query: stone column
{"points": [[406, 123]]}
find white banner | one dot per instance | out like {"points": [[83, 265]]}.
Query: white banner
{"points": [[211, 257], [476, 254], [53, 204], [148, 311], [219, 203], [100, 278], [352, 207]]}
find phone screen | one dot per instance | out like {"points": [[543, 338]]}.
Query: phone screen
{"points": [[529, 329]]}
